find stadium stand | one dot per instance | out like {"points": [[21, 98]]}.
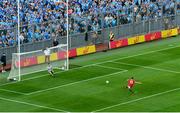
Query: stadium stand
{"points": [[45, 19]]}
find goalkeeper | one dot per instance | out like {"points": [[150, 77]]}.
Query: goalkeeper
{"points": [[50, 69], [47, 53]]}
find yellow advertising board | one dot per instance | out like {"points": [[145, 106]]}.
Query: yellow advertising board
{"points": [[169, 33], [136, 39], [53, 57], [41, 59], [85, 50]]}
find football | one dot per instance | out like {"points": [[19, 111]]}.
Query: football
{"points": [[63, 68]]}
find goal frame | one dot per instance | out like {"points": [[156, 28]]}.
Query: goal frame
{"points": [[61, 49], [18, 34]]}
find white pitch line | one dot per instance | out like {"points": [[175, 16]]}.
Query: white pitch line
{"points": [[31, 104], [39, 91], [11, 91], [131, 101], [97, 64], [165, 70]]}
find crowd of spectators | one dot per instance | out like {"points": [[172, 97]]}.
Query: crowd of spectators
{"points": [[43, 19]]}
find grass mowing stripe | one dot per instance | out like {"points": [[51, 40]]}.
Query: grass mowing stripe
{"points": [[35, 92], [108, 67], [135, 100], [112, 70], [165, 70], [31, 104], [97, 63], [16, 92]]}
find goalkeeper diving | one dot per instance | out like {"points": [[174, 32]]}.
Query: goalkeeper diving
{"points": [[50, 69]]}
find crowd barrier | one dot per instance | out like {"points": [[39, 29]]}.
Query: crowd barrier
{"points": [[144, 38], [95, 48]]}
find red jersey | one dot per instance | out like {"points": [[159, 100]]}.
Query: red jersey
{"points": [[131, 82]]}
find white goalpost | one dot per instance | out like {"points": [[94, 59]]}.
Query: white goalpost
{"points": [[22, 62]]}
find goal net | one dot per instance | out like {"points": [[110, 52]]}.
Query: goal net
{"points": [[35, 61]]}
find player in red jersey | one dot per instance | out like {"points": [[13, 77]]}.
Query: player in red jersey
{"points": [[131, 83]]}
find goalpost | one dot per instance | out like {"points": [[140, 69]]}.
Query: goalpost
{"points": [[17, 69], [35, 61]]}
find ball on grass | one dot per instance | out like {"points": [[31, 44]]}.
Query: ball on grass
{"points": [[63, 68], [14, 79], [107, 81]]}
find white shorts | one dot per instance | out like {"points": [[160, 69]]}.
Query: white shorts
{"points": [[49, 71]]}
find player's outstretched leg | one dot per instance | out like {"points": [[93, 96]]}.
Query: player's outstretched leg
{"points": [[132, 92], [51, 73], [130, 89], [50, 69]]}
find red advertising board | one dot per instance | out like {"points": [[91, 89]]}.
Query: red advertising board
{"points": [[72, 53], [153, 36], [101, 47], [62, 54], [119, 43], [27, 62]]}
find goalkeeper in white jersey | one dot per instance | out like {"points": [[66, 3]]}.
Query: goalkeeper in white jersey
{"points": [[50, 69]]}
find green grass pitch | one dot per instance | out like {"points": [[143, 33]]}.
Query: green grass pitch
{"points": [[84, 89]]}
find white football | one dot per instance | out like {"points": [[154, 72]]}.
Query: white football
{"points": [[107, 81], [14, 79]]}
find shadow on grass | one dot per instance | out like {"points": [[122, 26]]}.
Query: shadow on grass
{"points": [[72, 66]]}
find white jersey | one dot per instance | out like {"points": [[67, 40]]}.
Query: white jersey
{"points": [[49, 68], [47, 52]]}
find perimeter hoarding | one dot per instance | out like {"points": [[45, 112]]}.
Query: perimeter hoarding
{"points": [[153, 36], [86, 50], [63, 55], [119, 43], [136, 39], [169, 33]]}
